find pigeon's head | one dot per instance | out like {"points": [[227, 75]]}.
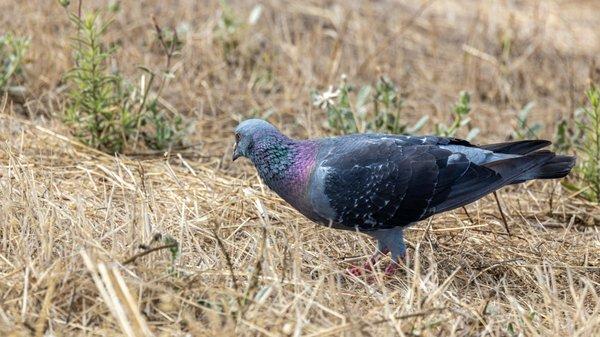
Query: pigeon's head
{"points": [[248, 133]]}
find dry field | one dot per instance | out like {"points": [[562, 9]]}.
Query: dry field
{"points": [[86, 238]]}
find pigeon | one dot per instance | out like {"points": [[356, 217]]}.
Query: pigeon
{"points": [[379, 184]]}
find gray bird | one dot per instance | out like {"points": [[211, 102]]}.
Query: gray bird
{"points": [[379, 184]]}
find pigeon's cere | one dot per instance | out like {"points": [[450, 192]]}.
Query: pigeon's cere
{"points": [[380, 184]]}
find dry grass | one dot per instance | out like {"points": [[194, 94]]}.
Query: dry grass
{"points": [[73, 219]]}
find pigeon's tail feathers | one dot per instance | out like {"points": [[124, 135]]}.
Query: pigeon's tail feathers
{"points": [[489, 177], [512, 168], [521, 147], [557, 167], [537, 165]]}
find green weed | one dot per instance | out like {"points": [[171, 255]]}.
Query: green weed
{"points": [[375, 108], [589, 149], [583, 137], [460, 119], [526, 130], [378, 108], [231, 30], [12, 52], [104, 110]]}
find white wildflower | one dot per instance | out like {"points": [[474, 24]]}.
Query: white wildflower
{"points": [[326, 99]]}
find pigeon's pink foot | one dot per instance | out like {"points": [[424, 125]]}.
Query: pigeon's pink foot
{"points": [[358, 271], [393, 267], [368, 266]]}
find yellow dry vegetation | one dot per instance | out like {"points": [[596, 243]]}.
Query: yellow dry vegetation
{"points": [[185, 243]]}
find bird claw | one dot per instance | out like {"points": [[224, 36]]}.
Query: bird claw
{"points": [[394, 266], [358, 271], [355, 271], [391, 269]]}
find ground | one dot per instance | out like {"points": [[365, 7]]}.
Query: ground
{"points": [[75, 222]]}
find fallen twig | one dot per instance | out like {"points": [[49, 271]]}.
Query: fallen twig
{"points": [[146, 252]]}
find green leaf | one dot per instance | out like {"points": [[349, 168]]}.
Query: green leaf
{"points": [[419, 124], [472, 134], [363, 96], [255, 14]]}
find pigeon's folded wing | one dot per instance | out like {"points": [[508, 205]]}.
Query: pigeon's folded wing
{"points": [[379, 184]]}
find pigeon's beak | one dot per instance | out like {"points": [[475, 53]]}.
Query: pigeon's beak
{"points": [[236, 153]]}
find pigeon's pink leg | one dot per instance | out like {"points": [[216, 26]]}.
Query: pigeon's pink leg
{"points": [[368, 266], [392, 268]]}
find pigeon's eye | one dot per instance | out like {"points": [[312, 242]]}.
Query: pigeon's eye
{"points": [[237, 137]]}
